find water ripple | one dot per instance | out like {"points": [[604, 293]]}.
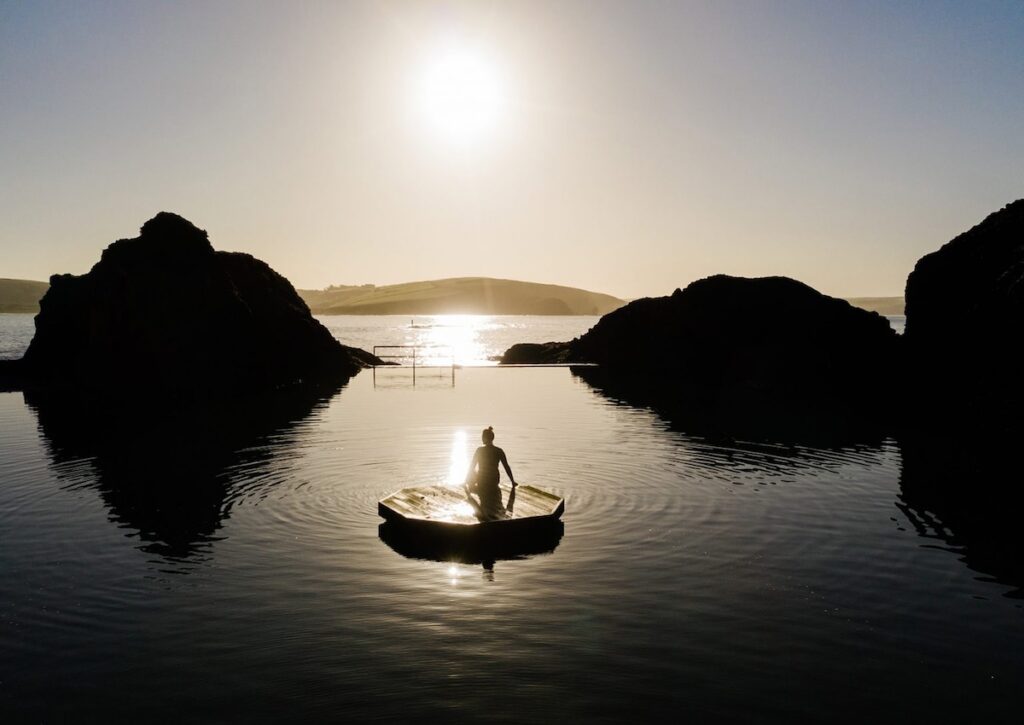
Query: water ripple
{"points": [[214, 553]]}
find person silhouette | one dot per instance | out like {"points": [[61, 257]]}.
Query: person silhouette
{"points": [[483, 476]]}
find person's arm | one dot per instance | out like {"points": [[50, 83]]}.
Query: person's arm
{"points": [[504, 462]]}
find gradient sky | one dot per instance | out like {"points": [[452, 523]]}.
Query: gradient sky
{"points": [[643, 144]]}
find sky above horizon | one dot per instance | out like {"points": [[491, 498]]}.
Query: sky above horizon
{"points": [[621, 147]]}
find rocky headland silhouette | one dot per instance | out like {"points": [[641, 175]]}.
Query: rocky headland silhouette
{"points": [[767, 350], [736, 348], [165, 313], [965, 322]]}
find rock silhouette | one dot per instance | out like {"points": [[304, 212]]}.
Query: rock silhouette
{"points": [[164, 312], [737, 344], [965, 321], [542, 353]]}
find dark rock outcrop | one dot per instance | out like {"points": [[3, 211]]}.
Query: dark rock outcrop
{"points": [[734, 345], [165, 313], [538, 353], [965, 321]]}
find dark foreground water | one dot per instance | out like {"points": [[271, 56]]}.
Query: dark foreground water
{"points": [[228, 566]]}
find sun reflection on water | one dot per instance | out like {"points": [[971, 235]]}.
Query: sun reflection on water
{"points": [[444, 339], [459, 461]]}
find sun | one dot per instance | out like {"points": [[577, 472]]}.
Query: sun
{"points": [[461, 95]]}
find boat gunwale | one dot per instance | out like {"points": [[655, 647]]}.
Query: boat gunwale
{"points": [[391, 513]]}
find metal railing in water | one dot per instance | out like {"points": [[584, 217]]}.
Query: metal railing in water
{"points": [[415, 357]]}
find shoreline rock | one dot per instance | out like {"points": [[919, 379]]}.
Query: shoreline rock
{"points": [[965, 322], [740, 343], [164, 313], [532, 353], [728, 345]]}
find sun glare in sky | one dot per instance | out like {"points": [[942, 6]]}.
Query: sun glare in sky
{"points": [[628, 148], [461, 95]]}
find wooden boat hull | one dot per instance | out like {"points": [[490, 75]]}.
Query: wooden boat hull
{"points": [[445, 523]]}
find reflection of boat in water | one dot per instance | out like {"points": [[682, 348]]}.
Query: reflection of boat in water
{"points": [[477, 547], [444, 523]]}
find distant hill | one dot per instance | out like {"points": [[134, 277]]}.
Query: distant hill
{"points": [[881, 305], [466, 295], [21, 295], [460, 295]]}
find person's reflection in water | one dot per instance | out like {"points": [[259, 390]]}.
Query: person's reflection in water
{"points": [[483, 476]]}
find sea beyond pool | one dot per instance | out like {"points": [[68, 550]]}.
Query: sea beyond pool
{"points": [[440, 339], [168, 567]]}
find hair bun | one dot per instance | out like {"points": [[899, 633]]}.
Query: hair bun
{"points": [[490, 428]]}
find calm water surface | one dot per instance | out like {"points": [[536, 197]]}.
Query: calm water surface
{"points": [[468, 339], [16, 332], [228, 565], [464, 339], [440, 339]]}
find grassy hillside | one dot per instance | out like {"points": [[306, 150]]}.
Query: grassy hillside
{"points": [[462, 295], [881, 305], [466, 295], [21, 295]]}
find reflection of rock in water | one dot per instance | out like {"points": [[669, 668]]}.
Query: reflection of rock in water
{"points": [[161, 470], [473, 547], [965, 493], [735, 413]]}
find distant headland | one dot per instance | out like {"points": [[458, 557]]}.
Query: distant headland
{"points": [[457, 295], [21, 295], [881, 305]]}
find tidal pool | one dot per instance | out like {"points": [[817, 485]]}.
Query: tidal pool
{"points": [[227, 565]]}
